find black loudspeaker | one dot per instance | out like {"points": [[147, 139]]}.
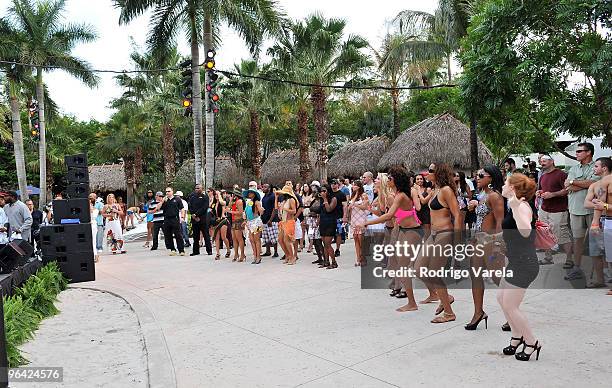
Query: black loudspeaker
{"points": [[76, 266], [71, 209], [15, 253], [79, 160], [77, 190], [77, 175], [68, 238], [71, 246]]}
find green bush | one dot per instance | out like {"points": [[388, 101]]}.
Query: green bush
{"points": [[29, 305]]}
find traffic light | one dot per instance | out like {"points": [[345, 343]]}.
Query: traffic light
{"points": [[187, 86], [34, 120], [213, 77]]}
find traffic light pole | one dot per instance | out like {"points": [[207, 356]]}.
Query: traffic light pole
{"points": [[209, 143]]}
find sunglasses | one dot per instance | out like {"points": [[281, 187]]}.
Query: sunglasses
{"points": [[168, 191], [580, 151], [431, 170], [482, 176]]}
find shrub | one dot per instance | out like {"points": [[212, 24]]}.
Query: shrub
{"points": [[30, 304]]}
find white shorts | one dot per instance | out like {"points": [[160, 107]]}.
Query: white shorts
{"points": [[298, 230], [607, 226], [114, 227]]}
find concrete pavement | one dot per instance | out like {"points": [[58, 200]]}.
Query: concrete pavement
{"points": [[229, 324]]}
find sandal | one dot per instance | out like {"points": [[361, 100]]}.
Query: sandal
{"points": [[217, 257], [430, 299], [568, 264], [441, 308], [444, 318], [235, 258], [227, 255], [146, 245]]}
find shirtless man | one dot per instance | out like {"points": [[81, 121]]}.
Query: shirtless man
{"points": [[599, 197]]}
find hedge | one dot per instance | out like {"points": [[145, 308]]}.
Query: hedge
{"points": [[28, 306]]}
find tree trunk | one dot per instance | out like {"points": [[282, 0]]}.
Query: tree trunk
{"points": [[42, 143], [50, 179], [18, 145], [256, 144], [209, 144], [302, 119], [474, 146], [320, 122], [168, 148], [197, 101], [395, 103], [129, 178], [138, 169], [449, 73]]}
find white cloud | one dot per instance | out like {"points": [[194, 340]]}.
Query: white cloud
{"points": [[112, 48]]}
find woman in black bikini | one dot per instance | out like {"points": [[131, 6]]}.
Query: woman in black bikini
{"points": [[489, 209], [445, 229], [425, 194], [220, 223]]}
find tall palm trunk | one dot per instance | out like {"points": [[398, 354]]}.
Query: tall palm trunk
{"points": [[18, 144], [197, 101], [50, 178], [305, 169], [449, 73], [256, 143], [209, 144], [138, 166], [42, 142], [320, 123], [129, 177], [395, 103], [474, 146], [168, 148]]}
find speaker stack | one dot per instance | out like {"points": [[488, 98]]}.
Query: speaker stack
{"points": [[69, 240], [77, 176]]}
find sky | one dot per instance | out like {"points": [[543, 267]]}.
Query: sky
{"points": [[114, 44]]}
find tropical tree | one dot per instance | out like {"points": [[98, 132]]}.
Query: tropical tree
{"points": [[323, 57], [47, 45], [15, 74], [253, 20]]}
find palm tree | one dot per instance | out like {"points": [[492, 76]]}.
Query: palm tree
{"points": [[48, 45], [286, 66], [202, 19], [9, 49], [323, 57]]}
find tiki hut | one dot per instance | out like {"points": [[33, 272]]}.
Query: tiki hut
{"points": [[226, 172], [357, 157], [284, 165], [107, 178], [441, 138]]}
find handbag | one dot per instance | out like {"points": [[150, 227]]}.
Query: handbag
{"points": [[545, 238]]}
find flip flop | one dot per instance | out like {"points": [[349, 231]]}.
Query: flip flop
{"points": [[444, 318], [441, 308]]}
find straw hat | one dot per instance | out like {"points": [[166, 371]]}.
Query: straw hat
{"points": [[288, 190]]}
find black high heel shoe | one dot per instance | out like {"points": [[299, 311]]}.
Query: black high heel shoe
{"points": [[506, 327], [511, 349], [522, 356], [395, 292], [474, 325]]}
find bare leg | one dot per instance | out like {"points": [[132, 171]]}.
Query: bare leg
{"points": [[512, 297]]}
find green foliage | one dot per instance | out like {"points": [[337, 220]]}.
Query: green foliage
{"points": [[540, 66], [30, 304]]}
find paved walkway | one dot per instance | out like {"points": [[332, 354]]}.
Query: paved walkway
{"points": [[240, 325]]}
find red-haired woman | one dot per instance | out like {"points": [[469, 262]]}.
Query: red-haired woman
{"points": [[522, 269]]}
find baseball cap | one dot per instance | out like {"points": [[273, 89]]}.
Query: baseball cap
{"points": [[159, 194], [179, 193], [252, 184], [316, 183]]}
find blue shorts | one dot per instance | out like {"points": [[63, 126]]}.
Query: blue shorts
{"points": [[340, 231]]}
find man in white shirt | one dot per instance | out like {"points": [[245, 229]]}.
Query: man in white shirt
{"points": [[19, 217], [183, 218], [368, 185]]}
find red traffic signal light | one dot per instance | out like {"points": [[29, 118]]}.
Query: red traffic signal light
{"points": [[214, 97]]}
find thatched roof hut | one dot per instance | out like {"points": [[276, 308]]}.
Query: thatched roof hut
{"points": [[226, 172], [357, 157], [441, 138], [107, 177], [284, 165]]}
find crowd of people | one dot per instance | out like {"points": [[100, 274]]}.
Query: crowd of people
{"points": [[502, 209]]}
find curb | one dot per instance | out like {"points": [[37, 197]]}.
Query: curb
{"points": [[160, 369]]}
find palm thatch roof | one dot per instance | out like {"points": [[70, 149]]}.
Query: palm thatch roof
{"points": [[107, 177], [226, 172], [441, 138], [357, 157], [284, 165]]}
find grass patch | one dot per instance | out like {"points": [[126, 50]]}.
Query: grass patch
{"points": [[28, 306]]}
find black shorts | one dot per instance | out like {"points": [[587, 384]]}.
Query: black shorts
{"points": [[328, 230]]}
